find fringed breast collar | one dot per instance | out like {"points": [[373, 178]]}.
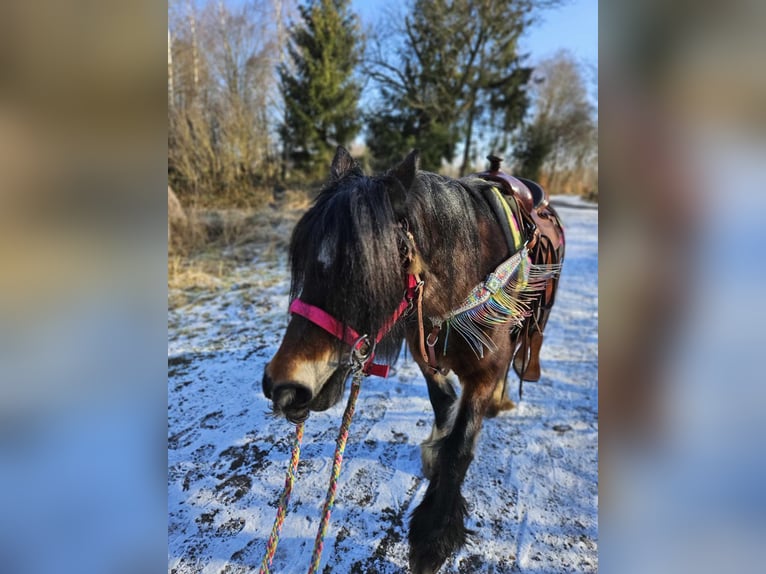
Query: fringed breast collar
{"points": [[505, 297]]}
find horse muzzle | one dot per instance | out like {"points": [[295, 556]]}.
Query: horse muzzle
{"points": [[294, 400], [290, 398]]}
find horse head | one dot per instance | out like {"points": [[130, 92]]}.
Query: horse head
{"points": [[346, 257]]}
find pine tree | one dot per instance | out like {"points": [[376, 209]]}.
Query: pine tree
{"points": [[320, 92], [457, 78]]}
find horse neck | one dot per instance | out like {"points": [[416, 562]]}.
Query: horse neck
{"points": [[463, 242]]}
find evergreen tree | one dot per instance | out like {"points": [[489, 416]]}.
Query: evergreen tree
{"points": [[535, 145], [409, 122], [418, 102], [320, 93], [457, 78]]}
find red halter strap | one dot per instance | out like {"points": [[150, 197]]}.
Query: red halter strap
{"points": [[323, 319]]}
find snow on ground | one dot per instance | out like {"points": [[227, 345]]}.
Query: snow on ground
{"points": [[532, 488]]}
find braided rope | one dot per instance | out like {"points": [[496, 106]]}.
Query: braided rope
{"points": [[271, 547], [334, 476]]}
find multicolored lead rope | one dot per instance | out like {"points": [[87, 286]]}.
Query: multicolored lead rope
{"points": [[338, 460], [271, 547], [340, 447]]}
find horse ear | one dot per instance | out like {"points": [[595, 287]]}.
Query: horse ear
{"points": [[342, 164], [404, 173]]}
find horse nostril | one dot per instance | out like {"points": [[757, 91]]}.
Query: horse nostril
{"points": [[290, 396], [267, 384]]}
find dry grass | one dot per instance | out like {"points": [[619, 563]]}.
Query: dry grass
{"points": [[185, 233], [197, 273], [198, 277], [582, 181], [209, 245]]}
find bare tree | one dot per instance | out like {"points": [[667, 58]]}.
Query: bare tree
{"points": [[221, 128], [559, 144]]}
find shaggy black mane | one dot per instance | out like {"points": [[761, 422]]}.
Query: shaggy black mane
{"points": [[344, 256]]}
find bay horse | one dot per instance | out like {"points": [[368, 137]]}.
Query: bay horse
{"points": [[478, 269]]}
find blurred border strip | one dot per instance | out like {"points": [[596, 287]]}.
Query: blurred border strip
{"points": [[83, 147], [682, 134]]}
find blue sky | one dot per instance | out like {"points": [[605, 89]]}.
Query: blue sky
{"points": [[574, 26]]}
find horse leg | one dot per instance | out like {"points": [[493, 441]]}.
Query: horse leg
{"points": [[532, 371], [442, 396], [437, 526], [500, 400]]}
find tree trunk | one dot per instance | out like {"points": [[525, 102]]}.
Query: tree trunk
{"points": [[171, 89], [279, 10], [468, 135], [195, 54]]}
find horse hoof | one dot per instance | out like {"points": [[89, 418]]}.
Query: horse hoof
{"points": [[437, 528]]}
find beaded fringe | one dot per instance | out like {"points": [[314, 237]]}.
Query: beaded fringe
{"points": [[504, 300]]}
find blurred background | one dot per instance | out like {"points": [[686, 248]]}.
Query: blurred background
{"points": [[105, 107], [82, 286]]}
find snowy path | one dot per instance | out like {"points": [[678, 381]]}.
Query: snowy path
{"points": [[532, 489]]}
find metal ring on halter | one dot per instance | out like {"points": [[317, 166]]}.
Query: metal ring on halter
{"points": [[411, 300], [357, 358], [409, 308]]}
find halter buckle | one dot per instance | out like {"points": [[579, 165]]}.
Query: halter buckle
{"points": [[410, 296], [361, 351]]}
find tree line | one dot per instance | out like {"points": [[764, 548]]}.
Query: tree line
{"points": [[260, 92]]}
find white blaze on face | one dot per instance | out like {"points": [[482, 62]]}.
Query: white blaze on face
{"points": [[327, 252]]}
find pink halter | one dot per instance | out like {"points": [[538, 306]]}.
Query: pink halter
{"points": [[348, 335]]}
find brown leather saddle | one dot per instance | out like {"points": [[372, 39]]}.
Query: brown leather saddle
{"points": [[530, 195], [546, 246]]}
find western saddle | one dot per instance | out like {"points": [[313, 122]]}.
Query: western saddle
{"points": [[546, 245]]}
